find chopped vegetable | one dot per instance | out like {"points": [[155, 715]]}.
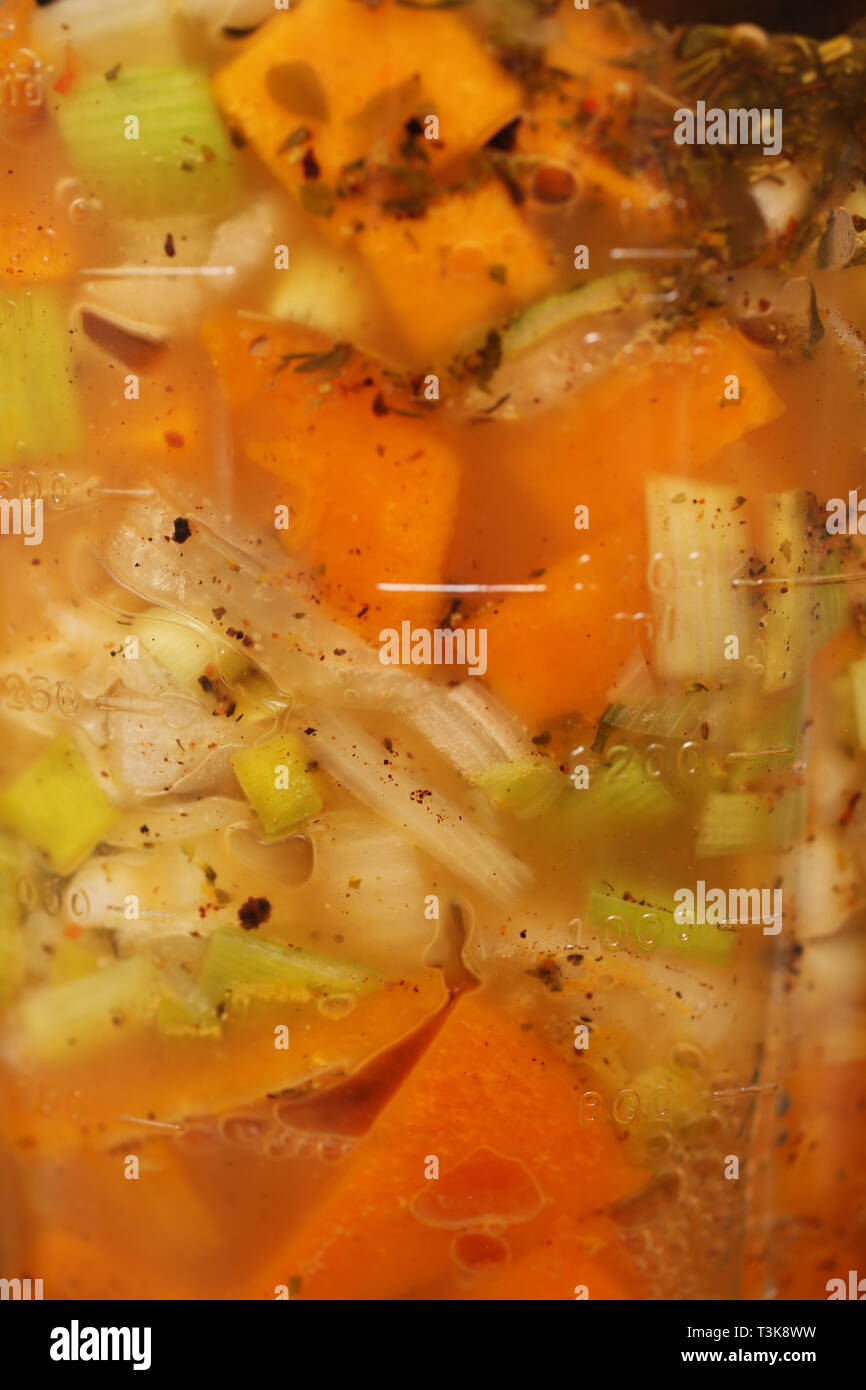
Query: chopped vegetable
{"points": [[186, 651], [787, 625], [507, 1137], [526, 787], [558, 311], [240, 967], [654, 926], [177, 158], [63, 1021], [57, 806], [39, 411], [277, 784], [737, 822]]}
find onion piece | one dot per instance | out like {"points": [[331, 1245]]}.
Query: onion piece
{"points": [[429, 819]]}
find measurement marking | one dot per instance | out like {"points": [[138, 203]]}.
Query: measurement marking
{"points": [[652, 253], [746, 1091], [145, 272], [157, 1124], [858, 578], [756, 752], [463, 588], [145, 492]]}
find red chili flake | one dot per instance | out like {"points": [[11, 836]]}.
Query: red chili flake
{"points": [[169, 247], [849, 809], [73, 931], [173, 439], [589, 106], [763, 305], [218, 613], [68, 75]]}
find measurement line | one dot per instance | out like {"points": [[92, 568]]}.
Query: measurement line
{"points": [[756, 752], [157, 1124], [746, 1091], [463, 588], [652, 253], [145, 272], [145, 492], [858, 578]]}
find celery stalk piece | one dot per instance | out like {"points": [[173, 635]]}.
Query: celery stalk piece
{"points": [[257, 699], [57, 806], [560, 311], [275, 781], [54, 1022], [185, 1011], [39, 414], [788, 622], [857, 676], [832, 608], [11, 943], [526, 787], [621, 793], [188, 652], [178, 158], [776, 736], [736, 822], [647, 921], [239, 966], [698, 542]]}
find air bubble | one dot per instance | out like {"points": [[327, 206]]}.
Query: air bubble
{"points": [[687, 1055], [332, 1150], [337, 1006], [244, 1129]]}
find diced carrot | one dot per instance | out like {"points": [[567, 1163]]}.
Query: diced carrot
{"points": [[559, 650], [302, 72], [572, 1262], [372, 493], [662, 409], [467, 262], [494, 1111], [171, 1078]]}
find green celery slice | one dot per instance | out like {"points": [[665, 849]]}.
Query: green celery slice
{"points": [[182, 160], [186, 1011], [647, 920], [57, 806], [11, 943], [737, 822], [240, 966], [526, 786], [857, 677], [560, 311], [39, 412], [257, 769], [65, 1020], [620, 793]]}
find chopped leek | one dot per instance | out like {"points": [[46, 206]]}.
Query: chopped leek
{"points": [[256, 699], [832, 610], [560, 311], [526, 787], [39, 415], [276, 783], [150, 141], [621, 793], [185, 1011], [787, 624], [653, 925], [189, 653], [240, 966], [87, 1012], [734, 822], [70, 961], [57, 806], [697, 544]]}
